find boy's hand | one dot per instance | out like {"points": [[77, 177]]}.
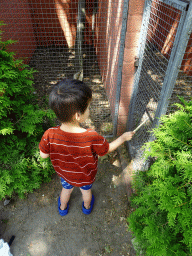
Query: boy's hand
{"points": [[43, 155], [116, 143], [128, 136]]}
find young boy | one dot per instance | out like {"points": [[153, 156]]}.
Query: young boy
{"points": [[74, 150]]}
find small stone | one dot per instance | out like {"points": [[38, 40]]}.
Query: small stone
{"points": [[6, 202]]}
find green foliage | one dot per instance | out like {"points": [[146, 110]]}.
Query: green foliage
{"points": [[22, 124], [162, 220]]}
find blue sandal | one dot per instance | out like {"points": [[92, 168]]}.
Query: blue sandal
{"points": [[88, 211], [62, 212]]}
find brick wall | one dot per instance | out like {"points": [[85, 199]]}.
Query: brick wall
{"points": [[42, 23], [16, 15], [107, 42], [55, 21], [135, 14]]}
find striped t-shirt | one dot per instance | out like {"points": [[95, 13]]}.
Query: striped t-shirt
{"points": [[74, 155]]}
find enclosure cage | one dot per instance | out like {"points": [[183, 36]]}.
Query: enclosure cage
{"points": [[164, 71], [85, 39], [70, 38]]}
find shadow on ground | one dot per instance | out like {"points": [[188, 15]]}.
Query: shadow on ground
{"points": [[40, 230]]}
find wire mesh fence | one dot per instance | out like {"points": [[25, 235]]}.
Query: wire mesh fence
{"points": [[75, 39], [183, 85], [162, 26]]}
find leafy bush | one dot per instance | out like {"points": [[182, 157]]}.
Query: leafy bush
{"points": [[21, 127], [162, 220]]}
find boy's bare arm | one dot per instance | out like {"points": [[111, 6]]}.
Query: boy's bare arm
{"points": [[43, 155], [120, 140]]}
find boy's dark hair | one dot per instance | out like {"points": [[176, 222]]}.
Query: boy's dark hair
{"points": [[68, 97]]}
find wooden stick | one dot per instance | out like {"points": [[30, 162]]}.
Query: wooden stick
{"points": [[138, 127]]}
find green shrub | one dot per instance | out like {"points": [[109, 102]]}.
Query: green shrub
{"points": [[21, 128], [162, 220]]}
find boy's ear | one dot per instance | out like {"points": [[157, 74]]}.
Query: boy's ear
{"points": [[77, 116]]}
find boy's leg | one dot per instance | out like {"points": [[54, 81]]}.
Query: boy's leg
{"points": [[64, 198], [87, 197]]}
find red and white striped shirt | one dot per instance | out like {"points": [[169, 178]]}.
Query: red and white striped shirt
{"points": [[74, 155]]}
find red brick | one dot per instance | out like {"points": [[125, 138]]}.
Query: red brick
{"points": [[123, 111], [136, 6], [127, 80], [121, 129], [126, 91], [134, 23], [128, 69], [122, 120], [132, 40], [122, 123], [124, 102], [130, 54]]}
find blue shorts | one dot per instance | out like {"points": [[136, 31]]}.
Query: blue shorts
{"points": [[68, 186]]}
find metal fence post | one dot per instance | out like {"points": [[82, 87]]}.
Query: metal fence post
{"points": [[142, 40], [120, 64], [79, 41]]}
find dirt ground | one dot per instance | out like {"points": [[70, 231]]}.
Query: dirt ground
{"points": [[40, 230]]}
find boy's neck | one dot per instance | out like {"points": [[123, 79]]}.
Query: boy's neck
{"points": [[72, 127]]}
